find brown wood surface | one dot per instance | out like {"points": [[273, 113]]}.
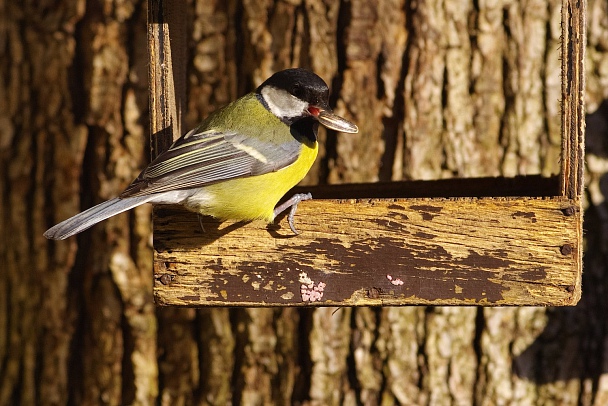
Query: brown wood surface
{"points": [[573, 103], [444, 251], [166, 71]]}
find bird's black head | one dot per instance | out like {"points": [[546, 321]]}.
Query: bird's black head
{"points": [[293, 94], [296, 94]]}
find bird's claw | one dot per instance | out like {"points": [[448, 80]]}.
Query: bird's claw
{"points": [[292, 204]]}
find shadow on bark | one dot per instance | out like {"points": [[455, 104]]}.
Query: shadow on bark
{"points": [[572, 344]]}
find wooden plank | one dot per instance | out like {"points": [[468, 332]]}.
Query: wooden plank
{"points": [[573, 97], [504, 251]]}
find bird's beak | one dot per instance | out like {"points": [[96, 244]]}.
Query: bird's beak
{"points": [[332, 121]]}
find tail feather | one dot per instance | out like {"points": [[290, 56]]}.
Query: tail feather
{"points": [[94, 215]]}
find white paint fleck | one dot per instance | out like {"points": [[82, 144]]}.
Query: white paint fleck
{"points": [[396, 281]]}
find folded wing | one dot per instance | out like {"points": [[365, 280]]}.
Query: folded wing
{"points": [[203, 158]]}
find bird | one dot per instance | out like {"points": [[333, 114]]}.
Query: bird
{"points": [[237, 163]]}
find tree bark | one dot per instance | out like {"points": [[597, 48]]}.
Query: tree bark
{"points": [[439, 89]]}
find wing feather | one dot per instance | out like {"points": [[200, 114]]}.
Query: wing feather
{"points": [[206, 157]]}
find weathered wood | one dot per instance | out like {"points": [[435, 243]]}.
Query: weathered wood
{"points": [[166, 44], [573, 97], [515, 251]]}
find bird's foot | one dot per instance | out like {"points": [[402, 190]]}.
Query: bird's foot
{"points": [[293, 203], [200, 222]]}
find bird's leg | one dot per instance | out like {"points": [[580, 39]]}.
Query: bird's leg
{"points": [[200, 222], [293, 203]]}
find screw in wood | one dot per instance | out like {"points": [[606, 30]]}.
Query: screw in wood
{"points": [[566, 249]]}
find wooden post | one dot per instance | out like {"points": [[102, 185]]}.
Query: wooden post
{"points": [[167, 74], [574, 41]]}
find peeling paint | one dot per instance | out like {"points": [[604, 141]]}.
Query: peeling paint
{"points": [[391, 224], [190, 298], [308, 290], [426, 236], [526, 214], [427, 208], [427, 212], [396, 281]]}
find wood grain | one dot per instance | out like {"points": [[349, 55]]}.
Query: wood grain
{"points": [[167, 51], [490, 251], [573, 88]]}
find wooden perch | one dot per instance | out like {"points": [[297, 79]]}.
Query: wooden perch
{"points": [[376, 252]]}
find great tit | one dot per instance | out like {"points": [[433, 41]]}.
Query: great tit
{"points": [[237, 163]]}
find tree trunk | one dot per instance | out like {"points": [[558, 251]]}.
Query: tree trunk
{"points": [[439, 89]]}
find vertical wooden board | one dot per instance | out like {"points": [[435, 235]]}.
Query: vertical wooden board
{"points": [[376, 252], [166, 71], [574, 40]]}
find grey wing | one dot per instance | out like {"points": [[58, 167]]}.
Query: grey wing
{"points": [[203, 158]]}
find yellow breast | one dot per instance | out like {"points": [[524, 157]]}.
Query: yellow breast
{"points": [[254, 197]]}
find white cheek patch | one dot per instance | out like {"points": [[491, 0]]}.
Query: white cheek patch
{"points": [[282, 104]]}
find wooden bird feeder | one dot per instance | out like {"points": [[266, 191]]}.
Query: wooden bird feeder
{"points": [[488, 241]]}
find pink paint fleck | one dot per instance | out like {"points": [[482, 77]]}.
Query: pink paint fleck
{"points": [[309, 291]]}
